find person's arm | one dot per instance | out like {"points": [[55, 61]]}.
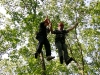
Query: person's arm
{"points": [[50, 26], [73, 27], [51, 29]]}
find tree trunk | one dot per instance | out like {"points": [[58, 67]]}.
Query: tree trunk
{"points": [[43, 64]]}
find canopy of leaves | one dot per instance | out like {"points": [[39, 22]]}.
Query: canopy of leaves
{"points": [[19, 25]]}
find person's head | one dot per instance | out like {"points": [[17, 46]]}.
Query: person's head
{"points": [[60, 26]]}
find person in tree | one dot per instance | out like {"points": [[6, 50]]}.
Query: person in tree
{"points": [[41, 36], [60, 34]]}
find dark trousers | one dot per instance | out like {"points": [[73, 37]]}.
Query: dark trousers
{"points": [[43, 41], [62, 50]]}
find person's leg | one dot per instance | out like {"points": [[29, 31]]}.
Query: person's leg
{"points": [[39, 47], [60, 53], [66, 57], [48, 49]]}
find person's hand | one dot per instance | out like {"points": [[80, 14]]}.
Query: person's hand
{"points": [[76, 23], [47, 20]]}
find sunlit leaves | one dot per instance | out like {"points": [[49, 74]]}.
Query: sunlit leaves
{"points": [[19, 35]]}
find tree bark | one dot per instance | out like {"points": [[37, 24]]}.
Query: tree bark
{"points": [[43, 64]]}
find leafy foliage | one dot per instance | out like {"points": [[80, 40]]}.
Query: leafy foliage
{"points": [[17, 37]]}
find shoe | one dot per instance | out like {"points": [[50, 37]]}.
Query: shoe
{"points": [[50, 58], [69, 60], [61, 59], [36, 55]]}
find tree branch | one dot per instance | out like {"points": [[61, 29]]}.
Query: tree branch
{"points": [[81, 51]]}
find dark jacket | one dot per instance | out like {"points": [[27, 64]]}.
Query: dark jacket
{"points": [[42, 33]]}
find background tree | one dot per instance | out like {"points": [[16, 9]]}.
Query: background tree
{"points": [[17, 37]]}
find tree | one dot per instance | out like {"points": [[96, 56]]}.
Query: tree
{"points": [[17, 39]]}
